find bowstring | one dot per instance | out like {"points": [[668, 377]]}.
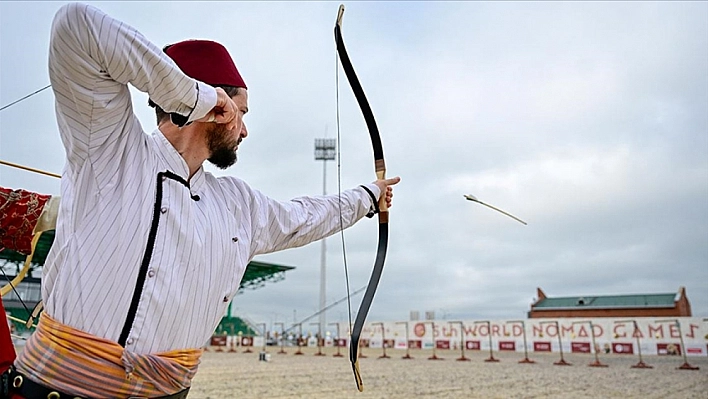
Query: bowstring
{"points": [[339, 193], [25, 97], [9, 282]]}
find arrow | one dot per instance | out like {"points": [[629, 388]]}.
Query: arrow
{"points": [[474, 199]]}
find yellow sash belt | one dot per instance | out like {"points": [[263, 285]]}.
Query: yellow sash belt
{"points": [[78, 363]]}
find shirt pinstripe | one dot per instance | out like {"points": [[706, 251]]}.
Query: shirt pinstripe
{"points": [[109, 187]]}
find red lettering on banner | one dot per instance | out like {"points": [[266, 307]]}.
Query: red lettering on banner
{"points": [[449, 331], [504, 330], [537, 331], [415, 344], [657, 332], [692, 330], [507, 345], [473, 345], [674, 331], [580, 347], [596, 328], [565, 330], [495, 330], [622, 348], [363, 343], [218, 340], [582, 333], [637, 333], [483, 330], [470, 330], [555, 329], [517, 330], [616, 330], [542, 346], [367, 331]]}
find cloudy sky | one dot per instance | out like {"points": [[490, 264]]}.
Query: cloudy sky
{"points": [[589, 120]]}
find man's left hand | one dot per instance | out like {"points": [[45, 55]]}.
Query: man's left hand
{"points": [[385, 186]]}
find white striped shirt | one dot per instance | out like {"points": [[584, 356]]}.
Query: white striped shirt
{"points": [[117, 216]]}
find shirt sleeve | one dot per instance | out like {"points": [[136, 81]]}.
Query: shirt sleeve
{"points": [[92, 58], [280, 225]]}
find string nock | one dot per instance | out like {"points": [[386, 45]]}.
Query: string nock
{"points": [[357, 376], [340, 14], [35, 314]]}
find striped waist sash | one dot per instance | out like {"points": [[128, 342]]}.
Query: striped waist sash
{"points": [[75, 362]]}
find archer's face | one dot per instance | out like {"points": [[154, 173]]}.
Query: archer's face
{"points": [[223, 143]]}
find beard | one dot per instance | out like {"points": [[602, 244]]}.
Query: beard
{"points": [[221, 146]]}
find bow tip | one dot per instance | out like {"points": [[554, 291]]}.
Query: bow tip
{"points": [[357, 376], [340, 14]]}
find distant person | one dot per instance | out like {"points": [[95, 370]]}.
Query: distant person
{"points": [[150, 248]]}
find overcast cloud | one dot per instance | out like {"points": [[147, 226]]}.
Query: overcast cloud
{"points": [[589, 120]]}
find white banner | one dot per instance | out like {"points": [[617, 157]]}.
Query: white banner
{"points": [[654, 336]]}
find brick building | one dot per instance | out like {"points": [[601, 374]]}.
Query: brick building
{"points": [[638, 305]]}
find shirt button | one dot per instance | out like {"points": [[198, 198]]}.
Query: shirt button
{"points": [[164, 178], [226, 299], [130, 341], [151, 273], [234, 239], [164, 209]]}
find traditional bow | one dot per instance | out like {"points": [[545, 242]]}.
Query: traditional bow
{"points": [[12, 284], [383, 209]]}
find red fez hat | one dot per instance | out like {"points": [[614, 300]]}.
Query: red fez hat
{"points": [[206, 61]]}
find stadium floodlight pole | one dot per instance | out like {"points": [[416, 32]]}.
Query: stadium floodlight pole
{"points": [[636, 333], [685, 365], [282, 338], [338, 354], [325, 150], [474, 199], [491, 358], [462, 357], [526, 359], [562, 361], [597, 362], [408, 344]]}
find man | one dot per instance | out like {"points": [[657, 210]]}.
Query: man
{"points": [[149, 248]]}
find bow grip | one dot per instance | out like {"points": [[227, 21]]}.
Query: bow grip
{"points": [[380, 165]]}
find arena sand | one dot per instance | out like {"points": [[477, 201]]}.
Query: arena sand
{"points": [[242, 375]]}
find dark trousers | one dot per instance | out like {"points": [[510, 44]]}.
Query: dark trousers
{"points": [[14, 385]]}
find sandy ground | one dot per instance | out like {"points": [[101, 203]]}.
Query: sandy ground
{"points": [[242, 375]]}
